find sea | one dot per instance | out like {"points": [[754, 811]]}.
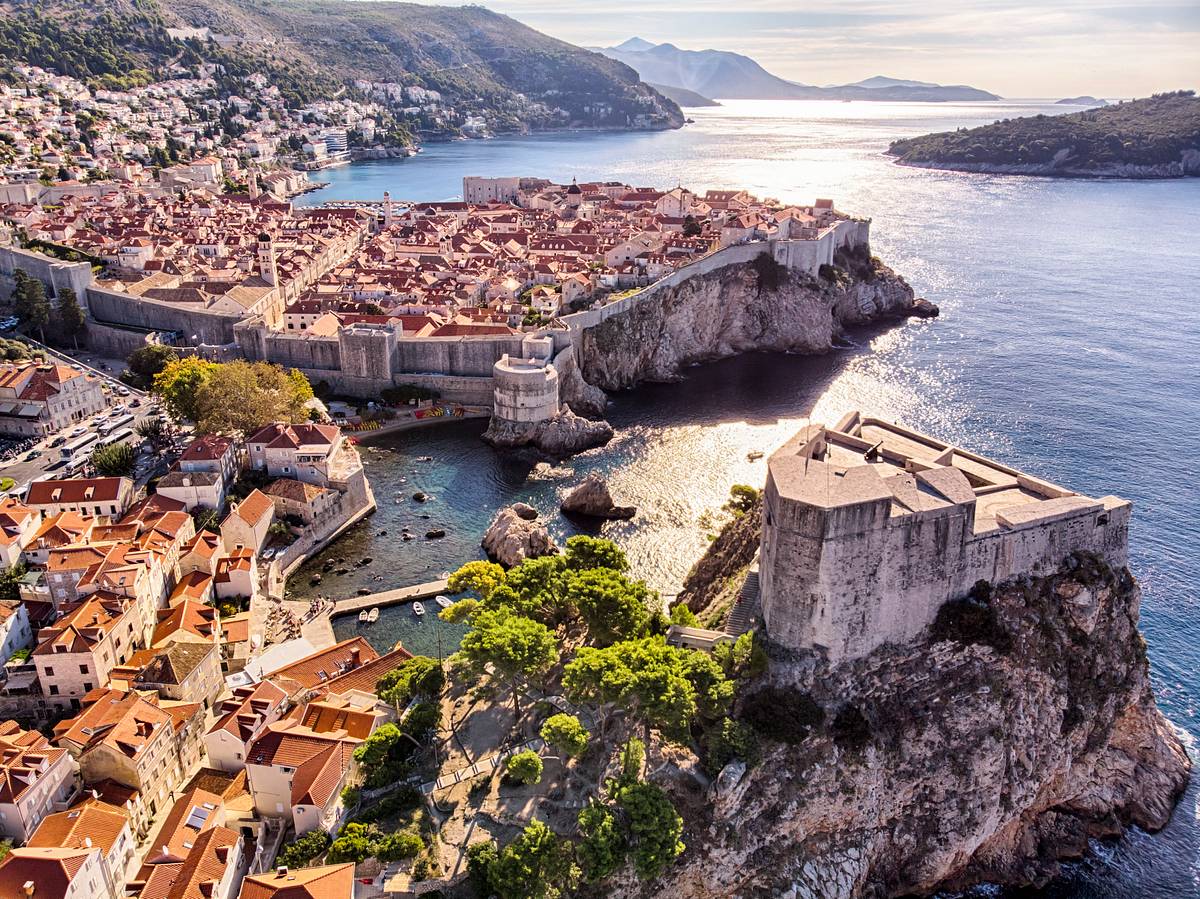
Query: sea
{"points": [[1068, 345]]}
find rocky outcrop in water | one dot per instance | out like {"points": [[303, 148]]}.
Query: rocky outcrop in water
{"points": [[513, 537], [563, 435], [1020, 727], [592, 499], [742, 308]]}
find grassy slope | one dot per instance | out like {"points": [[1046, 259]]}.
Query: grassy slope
{"points": [[1152, 131]]}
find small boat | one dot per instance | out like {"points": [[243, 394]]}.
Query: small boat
{"points": [[373, 615], [443, 601], [418, 609], [754, 456], [424, 458], [362, 616]]}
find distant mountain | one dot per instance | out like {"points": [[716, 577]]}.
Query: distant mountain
{"points": [[1085, 100], [722, 74], [1156, 137], [480, 62], [683, 96]]}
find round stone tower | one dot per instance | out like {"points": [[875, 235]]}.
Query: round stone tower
{"points": [[526, 390]]}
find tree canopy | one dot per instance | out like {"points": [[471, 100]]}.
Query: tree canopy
{"points": [[538, 864], [233, 396]]}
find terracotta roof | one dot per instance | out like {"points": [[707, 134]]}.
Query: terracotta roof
{"points": [[186, 620], [77, 490], [205, 865], [51, 869], [366, 676], [334, 716], [246, 712], [252, 509], [289, 436], [324, 665], [296, 491], [22, 755], [194, 812], [95, 821], [122, 721], [208, 448], [324, 882]]}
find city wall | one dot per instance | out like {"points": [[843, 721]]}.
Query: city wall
{"points": [[53, 273], [798, 255], [194, 325]]}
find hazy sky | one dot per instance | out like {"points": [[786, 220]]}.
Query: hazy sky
{"points": [[1017, 49]]}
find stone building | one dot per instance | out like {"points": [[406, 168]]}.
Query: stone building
{"points": [[870, 527]]}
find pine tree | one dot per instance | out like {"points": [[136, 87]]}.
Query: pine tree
{"points": [[32, 307], [70, 316]]}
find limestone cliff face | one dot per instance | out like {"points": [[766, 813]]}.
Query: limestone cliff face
{"points": [[736, 309], [1017, 730]]}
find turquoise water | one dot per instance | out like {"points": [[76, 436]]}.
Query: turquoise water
{"points": [[1068, 346]]}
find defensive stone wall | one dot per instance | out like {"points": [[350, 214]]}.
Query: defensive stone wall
{"points": [[53, 273], [113, 307], [526, 390], [798, 255]]}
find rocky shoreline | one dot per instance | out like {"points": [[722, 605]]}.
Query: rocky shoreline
{"points": [[744, 308], [1186, 167]]}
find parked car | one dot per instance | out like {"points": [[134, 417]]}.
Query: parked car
{"points": [[79, 431], [33, 454], [58, 441]]}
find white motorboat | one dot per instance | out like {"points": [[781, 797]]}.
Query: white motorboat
{"points": [[443, 601], [373, 615], [363, 615], [418, 609]]}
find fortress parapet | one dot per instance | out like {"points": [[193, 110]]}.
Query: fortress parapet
{"points": [[869, 528]]}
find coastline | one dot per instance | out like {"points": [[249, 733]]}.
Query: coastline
{"points": [[1123, 173]]}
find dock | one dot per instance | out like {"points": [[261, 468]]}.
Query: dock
{"points": [[354, 604]]}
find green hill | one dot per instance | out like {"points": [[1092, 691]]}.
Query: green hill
{"points": [[477, 60], [1154, 137]]}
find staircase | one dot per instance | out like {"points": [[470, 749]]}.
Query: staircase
{"points": [[745, 607]]}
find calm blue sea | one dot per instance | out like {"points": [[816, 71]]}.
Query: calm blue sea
{"points": [[1069, 345]]}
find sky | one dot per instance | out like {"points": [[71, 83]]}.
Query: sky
{"points": [[1016, 49]]}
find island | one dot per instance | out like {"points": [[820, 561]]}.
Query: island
{"points": [[683, 96], [1085, 100], [1154, 137]]}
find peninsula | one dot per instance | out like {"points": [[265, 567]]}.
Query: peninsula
{"points": [[1155, 137]]}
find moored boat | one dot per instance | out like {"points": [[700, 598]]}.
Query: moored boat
{"points": [[443, 601], [373, 615], [418, 609]]}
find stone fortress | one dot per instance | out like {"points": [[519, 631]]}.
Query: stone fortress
{"points": [[869, 527]]}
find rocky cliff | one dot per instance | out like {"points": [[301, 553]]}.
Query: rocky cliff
{"points": [[741, 308], [1020, 727]]}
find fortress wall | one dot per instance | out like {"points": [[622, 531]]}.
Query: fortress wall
{"points": [[454, 388], [466, 356], [109, 341], [53, 273], [196, 325], [851, 578]]}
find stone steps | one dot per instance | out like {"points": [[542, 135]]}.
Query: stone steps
{"points": [[745, 608]]}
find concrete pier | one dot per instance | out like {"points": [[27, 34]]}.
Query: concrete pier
{"points": [[354, 604]]}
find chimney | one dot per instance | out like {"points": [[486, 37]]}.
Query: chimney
{"points": [[87, 842], [28, 887], [355, 655], [281, 871]]}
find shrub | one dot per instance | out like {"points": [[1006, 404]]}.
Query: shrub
{"points": [[405, 799], [602, 846], [396, 846], [742, 498], [524, 767], [784, 715], [304, 849], [116, 460], [729, 740], [565, 733], [480, 858]]}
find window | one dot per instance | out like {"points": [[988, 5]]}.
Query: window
{"points": [[83, 669], [54, 689], [49, 672], [87, 686]]}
